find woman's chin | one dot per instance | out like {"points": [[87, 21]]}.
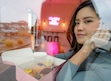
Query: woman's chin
{"points": [[80, 42]]}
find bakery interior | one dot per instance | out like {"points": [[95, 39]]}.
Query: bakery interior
{"points": [[33, 32]]}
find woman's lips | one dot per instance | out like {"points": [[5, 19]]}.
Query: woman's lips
{"points": [[80, 35]]}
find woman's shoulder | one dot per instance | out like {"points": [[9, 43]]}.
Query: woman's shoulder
{"points": [[65, 55], [104, 56]]}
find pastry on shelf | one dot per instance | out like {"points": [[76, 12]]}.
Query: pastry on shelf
{"points": [[20, 41], [9, 43]]}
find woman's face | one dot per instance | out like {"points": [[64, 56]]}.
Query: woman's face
{"points": [[87, 23]]}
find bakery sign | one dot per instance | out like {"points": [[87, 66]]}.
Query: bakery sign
{"points": [[54, 21]]}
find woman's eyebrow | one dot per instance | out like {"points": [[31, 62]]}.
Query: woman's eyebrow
{"points": [[88, 17], [85, 18], [77, 20]]}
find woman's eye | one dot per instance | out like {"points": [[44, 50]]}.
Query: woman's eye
{"points": [[76, 23], [88, 21]]}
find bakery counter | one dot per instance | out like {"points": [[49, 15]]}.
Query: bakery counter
{"points": [[14, 42]]}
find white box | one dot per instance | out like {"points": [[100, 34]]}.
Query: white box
{"points": [[25, 58]]}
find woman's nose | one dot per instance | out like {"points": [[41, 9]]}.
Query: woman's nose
{"points": [[81, 26]]}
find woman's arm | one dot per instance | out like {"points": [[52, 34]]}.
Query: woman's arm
{"points": [[81, 55], [69, 70]]}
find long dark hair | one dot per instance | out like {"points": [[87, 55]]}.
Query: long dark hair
{"points": [[70, 33]]}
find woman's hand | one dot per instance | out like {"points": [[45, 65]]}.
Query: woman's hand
{"points": [[101, 38]]}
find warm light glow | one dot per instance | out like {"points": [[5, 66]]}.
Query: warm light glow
{"points": [[63, 24], [54, 21], [44, 23]]}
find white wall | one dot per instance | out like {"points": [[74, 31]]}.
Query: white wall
{"points": [[15, 10]]}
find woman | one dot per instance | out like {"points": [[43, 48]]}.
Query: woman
{"points": [[86, 60]]}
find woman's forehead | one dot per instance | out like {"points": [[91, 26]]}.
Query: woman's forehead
{"points": [[86, 12]]}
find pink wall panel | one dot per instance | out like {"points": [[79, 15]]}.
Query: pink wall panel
{"points": [[64, 11]]}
